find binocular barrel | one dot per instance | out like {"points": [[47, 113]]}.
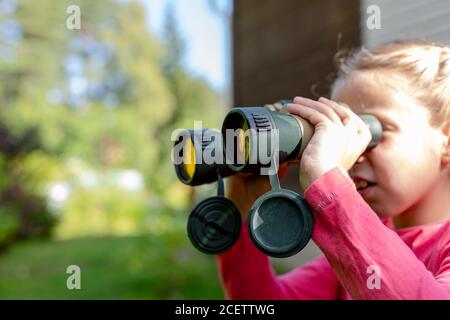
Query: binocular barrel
{"points": [[252, 135], [249, 139]]}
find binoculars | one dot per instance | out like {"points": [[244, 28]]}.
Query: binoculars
{"points": [[252, 140]]}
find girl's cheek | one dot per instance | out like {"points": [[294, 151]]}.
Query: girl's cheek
{"points": [[393, 148], [383, 154], [388, 162]]}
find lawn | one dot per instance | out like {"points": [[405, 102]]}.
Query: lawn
{"points": [[141, 267]]}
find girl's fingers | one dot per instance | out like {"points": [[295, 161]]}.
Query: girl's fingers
{"points": [[313, 116], [327, 110], [360, 126], [323, 108], [343, 112], [347, 116]]}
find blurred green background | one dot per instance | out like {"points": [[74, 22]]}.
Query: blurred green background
{"points": [[85, 171]]}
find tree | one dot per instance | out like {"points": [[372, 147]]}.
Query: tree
{"points": [[108, 95]]}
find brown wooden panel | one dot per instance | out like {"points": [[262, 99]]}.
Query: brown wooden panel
{"points": [[283, 47]]}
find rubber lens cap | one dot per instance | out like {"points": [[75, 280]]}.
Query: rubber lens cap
{"points": [[280, 223], [214, 225]]}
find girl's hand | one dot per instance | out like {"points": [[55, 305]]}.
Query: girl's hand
{"points": [[339, 138]]}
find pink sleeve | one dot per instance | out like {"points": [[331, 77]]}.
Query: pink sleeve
{"points": [[246, 273], [354, 240]]}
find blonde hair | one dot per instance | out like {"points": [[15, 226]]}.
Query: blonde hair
{"points": [[423, 66]]}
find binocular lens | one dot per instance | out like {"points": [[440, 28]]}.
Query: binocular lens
{"points": [[243, 142], [194, 152], [188, 165]]}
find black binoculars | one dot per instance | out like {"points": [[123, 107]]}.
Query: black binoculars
{"points": [[252, 140]]}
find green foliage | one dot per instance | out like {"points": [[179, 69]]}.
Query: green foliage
{"points": [[23, 211], [156, 97], [103, 211], [9, 224], [131, 91], [162, 266]]}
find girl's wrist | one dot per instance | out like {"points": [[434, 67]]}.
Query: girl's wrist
{"points": [[308, 177]]}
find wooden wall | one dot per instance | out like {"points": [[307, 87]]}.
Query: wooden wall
{"points": [[406, 19], [283, 47]]}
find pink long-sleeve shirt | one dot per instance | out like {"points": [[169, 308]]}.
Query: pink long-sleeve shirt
{"points": [[412, 263]]}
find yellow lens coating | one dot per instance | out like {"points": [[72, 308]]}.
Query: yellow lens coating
{"points": [[243, 142], [189, 159]]}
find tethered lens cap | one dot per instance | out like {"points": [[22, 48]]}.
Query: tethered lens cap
{"points": [[280, 223], [214, 225]]}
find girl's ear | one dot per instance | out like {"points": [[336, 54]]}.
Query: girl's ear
{"points": [[445, 159]]}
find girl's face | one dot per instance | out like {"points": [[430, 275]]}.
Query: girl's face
{"points": [[407, 162]]}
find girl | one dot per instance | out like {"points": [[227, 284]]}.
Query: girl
{"points": [[382, 216]]}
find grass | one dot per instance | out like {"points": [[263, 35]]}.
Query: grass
{"points": [[140, 267]]}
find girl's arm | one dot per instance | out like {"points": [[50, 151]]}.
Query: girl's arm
{"points": [[246, 273], [357, 244]]}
